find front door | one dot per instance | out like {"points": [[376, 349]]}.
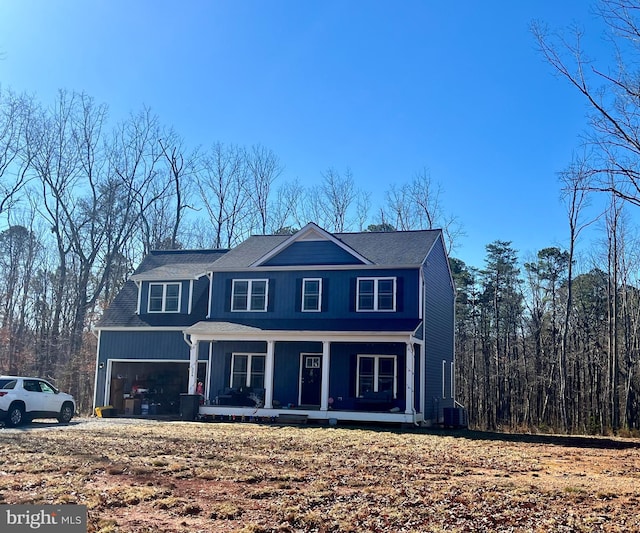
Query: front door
{"points": [[310, 379]]}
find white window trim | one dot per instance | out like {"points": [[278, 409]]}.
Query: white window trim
{"points": [[249, 357], [444, 381], [453, 383], [375, 294], [319, 309], [164, 297], [250, 283], [376, 372]]}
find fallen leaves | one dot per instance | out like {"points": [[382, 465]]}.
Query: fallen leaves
{"points": [[148, 476]]}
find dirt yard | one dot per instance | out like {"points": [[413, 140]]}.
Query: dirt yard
{"points": [[151, 476]]}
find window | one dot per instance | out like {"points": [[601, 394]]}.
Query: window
{"points": [[444, 380], [45, 387], [7, 384], [377, 373], [247, 370], [164, 297], [311, 294], [453, 383], [249, 295], [376, 294]]}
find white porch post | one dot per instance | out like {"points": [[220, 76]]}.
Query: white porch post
{"points": [[193, 366], [324, 387], [409, 380], [268, 375]]}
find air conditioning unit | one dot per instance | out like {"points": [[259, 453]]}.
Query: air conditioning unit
{"points": [[455, 417]]}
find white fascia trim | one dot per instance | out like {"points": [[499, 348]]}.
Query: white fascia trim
{"points": [[311, 336], [300, 268], [137, 360], [140, 328], [164, 277]]}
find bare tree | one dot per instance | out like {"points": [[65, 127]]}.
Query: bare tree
{"points": [[575, 194], [400, 204], [417, 205], [222, 183], [16, 113], [286, 206], [339, 193], [264, 168], [181, 171], [610, 92]]}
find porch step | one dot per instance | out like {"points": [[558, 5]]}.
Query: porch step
{"points": [[292, 418]]}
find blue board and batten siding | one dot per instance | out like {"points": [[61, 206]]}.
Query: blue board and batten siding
{"points": [[286, 377], [313, 253], [338, 294], [141, 346], [199, 293], [439, 340], [131, 333]]}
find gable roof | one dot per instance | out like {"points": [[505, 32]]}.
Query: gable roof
{"points": [[404, 248], [168, 265], [311, 232], [161, 265]]}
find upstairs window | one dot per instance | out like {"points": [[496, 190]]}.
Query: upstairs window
{"points": [[376, 294], [164, 297], [249, 295], [311, 294]]}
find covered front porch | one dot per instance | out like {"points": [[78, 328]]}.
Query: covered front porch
{"points": [[261, 413], [356, 376]]}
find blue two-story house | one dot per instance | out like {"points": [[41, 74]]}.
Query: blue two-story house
{"points": [[344, 326]]}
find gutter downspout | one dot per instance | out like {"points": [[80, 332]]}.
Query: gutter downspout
{"points": [[95, 379], [193, 364]]}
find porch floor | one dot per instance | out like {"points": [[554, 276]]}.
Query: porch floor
{"points": [[312, 414]]}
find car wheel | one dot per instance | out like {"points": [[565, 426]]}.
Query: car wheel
{"points": [[66, 413], [16, 416]]}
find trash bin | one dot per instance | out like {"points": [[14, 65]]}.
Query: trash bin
{"points": [[189, 406]]}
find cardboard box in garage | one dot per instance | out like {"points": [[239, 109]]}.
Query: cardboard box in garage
{"points": [[132, 406]]}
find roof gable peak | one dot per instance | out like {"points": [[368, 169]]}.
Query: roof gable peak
{"points": [[310, 232]]}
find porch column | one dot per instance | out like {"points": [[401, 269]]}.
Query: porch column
{"points": [[193, 366], [268, 375], [324, 387], [409, 379]]}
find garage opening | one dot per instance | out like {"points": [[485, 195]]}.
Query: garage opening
{"points": [[150, 387]]}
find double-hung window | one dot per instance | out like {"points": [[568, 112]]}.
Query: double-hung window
{"points": [[312, 294], [164, 297], [376, 294], [377, 373], [249, 295], [247, 370]]}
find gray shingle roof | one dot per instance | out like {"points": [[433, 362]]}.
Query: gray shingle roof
{"points": [[392, 248], [249, 251], [381, 248], [167, 265]]}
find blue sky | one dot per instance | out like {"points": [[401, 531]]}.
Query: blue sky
{"points": [[383, 88]]}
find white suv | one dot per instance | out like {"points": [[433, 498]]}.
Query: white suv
{"points": [[23, 399]]}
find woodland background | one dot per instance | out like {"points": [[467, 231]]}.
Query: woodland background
{"points": [[545, 343]]}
